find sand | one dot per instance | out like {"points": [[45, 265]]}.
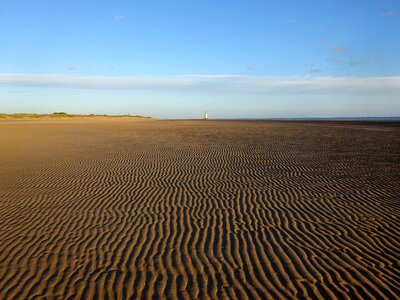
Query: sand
{"points": [[199, 209]]}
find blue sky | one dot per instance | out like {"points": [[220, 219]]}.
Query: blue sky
{"points": [[178, 58]]}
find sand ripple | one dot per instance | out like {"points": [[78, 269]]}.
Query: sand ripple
{"points": [[185, 209]]}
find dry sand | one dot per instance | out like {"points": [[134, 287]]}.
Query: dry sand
{"points": [[199, 209]]}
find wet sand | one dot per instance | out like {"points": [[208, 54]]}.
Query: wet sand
{"points": [[199, 209]]}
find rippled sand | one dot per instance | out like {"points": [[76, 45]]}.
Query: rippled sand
{"points": [[199, 209]]}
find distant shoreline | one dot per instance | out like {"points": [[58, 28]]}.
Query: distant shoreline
{"points": [[62, 115]]}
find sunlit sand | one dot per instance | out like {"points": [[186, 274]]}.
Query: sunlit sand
{"points": [[131, 209]]}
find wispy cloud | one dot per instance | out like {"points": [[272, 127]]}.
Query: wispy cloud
{"points": [[212, 84], [388, 14], [355, 62], [252, 68], [333, 48], [338, 49], [315, 70], [118, 18], [334, 60]]}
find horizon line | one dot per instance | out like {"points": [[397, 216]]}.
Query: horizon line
{"points": [[201, 118]]}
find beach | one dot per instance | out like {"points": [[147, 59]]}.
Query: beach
{"points": [[183, 209]]}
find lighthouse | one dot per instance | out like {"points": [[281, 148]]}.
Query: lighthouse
{"points": [[206, 116]]}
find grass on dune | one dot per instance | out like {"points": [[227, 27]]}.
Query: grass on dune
{"points": [[63, 115]]}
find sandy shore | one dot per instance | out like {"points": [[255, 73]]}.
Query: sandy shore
{"points": [[199, 209]]}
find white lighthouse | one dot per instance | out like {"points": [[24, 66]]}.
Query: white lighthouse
{"points": [[206, 116]]}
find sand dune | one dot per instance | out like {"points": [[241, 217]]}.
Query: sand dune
{"points": [[199, 209]]}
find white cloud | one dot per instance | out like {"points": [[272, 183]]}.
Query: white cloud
{"points": [[213, 84], [388, 14], [118, 17]]}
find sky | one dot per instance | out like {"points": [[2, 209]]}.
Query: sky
{"points": [[177, 59]]}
